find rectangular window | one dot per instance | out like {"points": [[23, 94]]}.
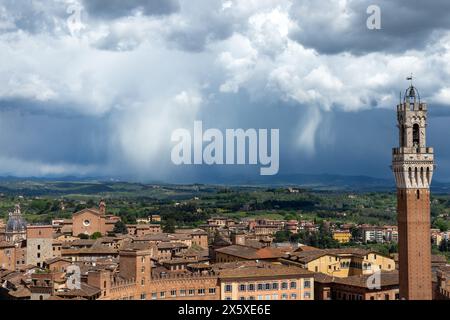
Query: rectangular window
{"points": [[182, 292], [284, 285], [228, 288], [284, 296], [275, 286], [260, 286], [212, 290], [275, 296], [173, 293], [307, 284], [241, 298], [162, 294], [242, 287], [201, 292], [251, 287], [142, 296], [191, 292], [293, 284], [154, 296], [294, 296], [307, 295], [267, 286]]}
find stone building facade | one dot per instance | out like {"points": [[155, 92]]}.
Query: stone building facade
{"points": [[39, 244]]}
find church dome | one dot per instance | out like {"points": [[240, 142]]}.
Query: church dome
{"points": [[15, 222]]}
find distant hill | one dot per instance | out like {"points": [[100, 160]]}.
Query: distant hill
{"points": [[93, 185], [321, 182]]}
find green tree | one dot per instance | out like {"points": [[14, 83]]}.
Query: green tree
{"points": [[441, 224], [96, 235], [120, 227], [83, 236], [169, 226], [444, 246], [281, 236], [356, 233]]}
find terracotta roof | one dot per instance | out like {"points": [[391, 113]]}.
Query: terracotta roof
{"points": [[85, 291], [137, 246], [251, 253], [323, 278], [4, 244], [92, 250], [56, 259], [91, 210], [66, 229], [163, 237], [171, 245], [177, 261], [386, 278], [191, 231], [260, 269], [21, 292], [80, 242]]}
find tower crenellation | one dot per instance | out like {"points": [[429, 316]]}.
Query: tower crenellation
{"points": [[413, 161]]}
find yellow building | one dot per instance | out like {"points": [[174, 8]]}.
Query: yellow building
{"points": [[263, 281], [342, 236], [341, 262]]}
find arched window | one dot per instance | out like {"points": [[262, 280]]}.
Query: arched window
{"points": [[402, 135], [418, 194], [416, 135]]}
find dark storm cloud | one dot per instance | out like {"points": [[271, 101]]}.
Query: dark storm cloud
{"points": [[51, 138], [404, 25], [111, 9]]}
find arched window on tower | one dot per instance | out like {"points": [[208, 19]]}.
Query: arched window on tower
{"points": [[402, 135], [416, 135]]}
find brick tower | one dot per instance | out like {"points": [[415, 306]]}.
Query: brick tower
{"points": [[413, 165]]}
